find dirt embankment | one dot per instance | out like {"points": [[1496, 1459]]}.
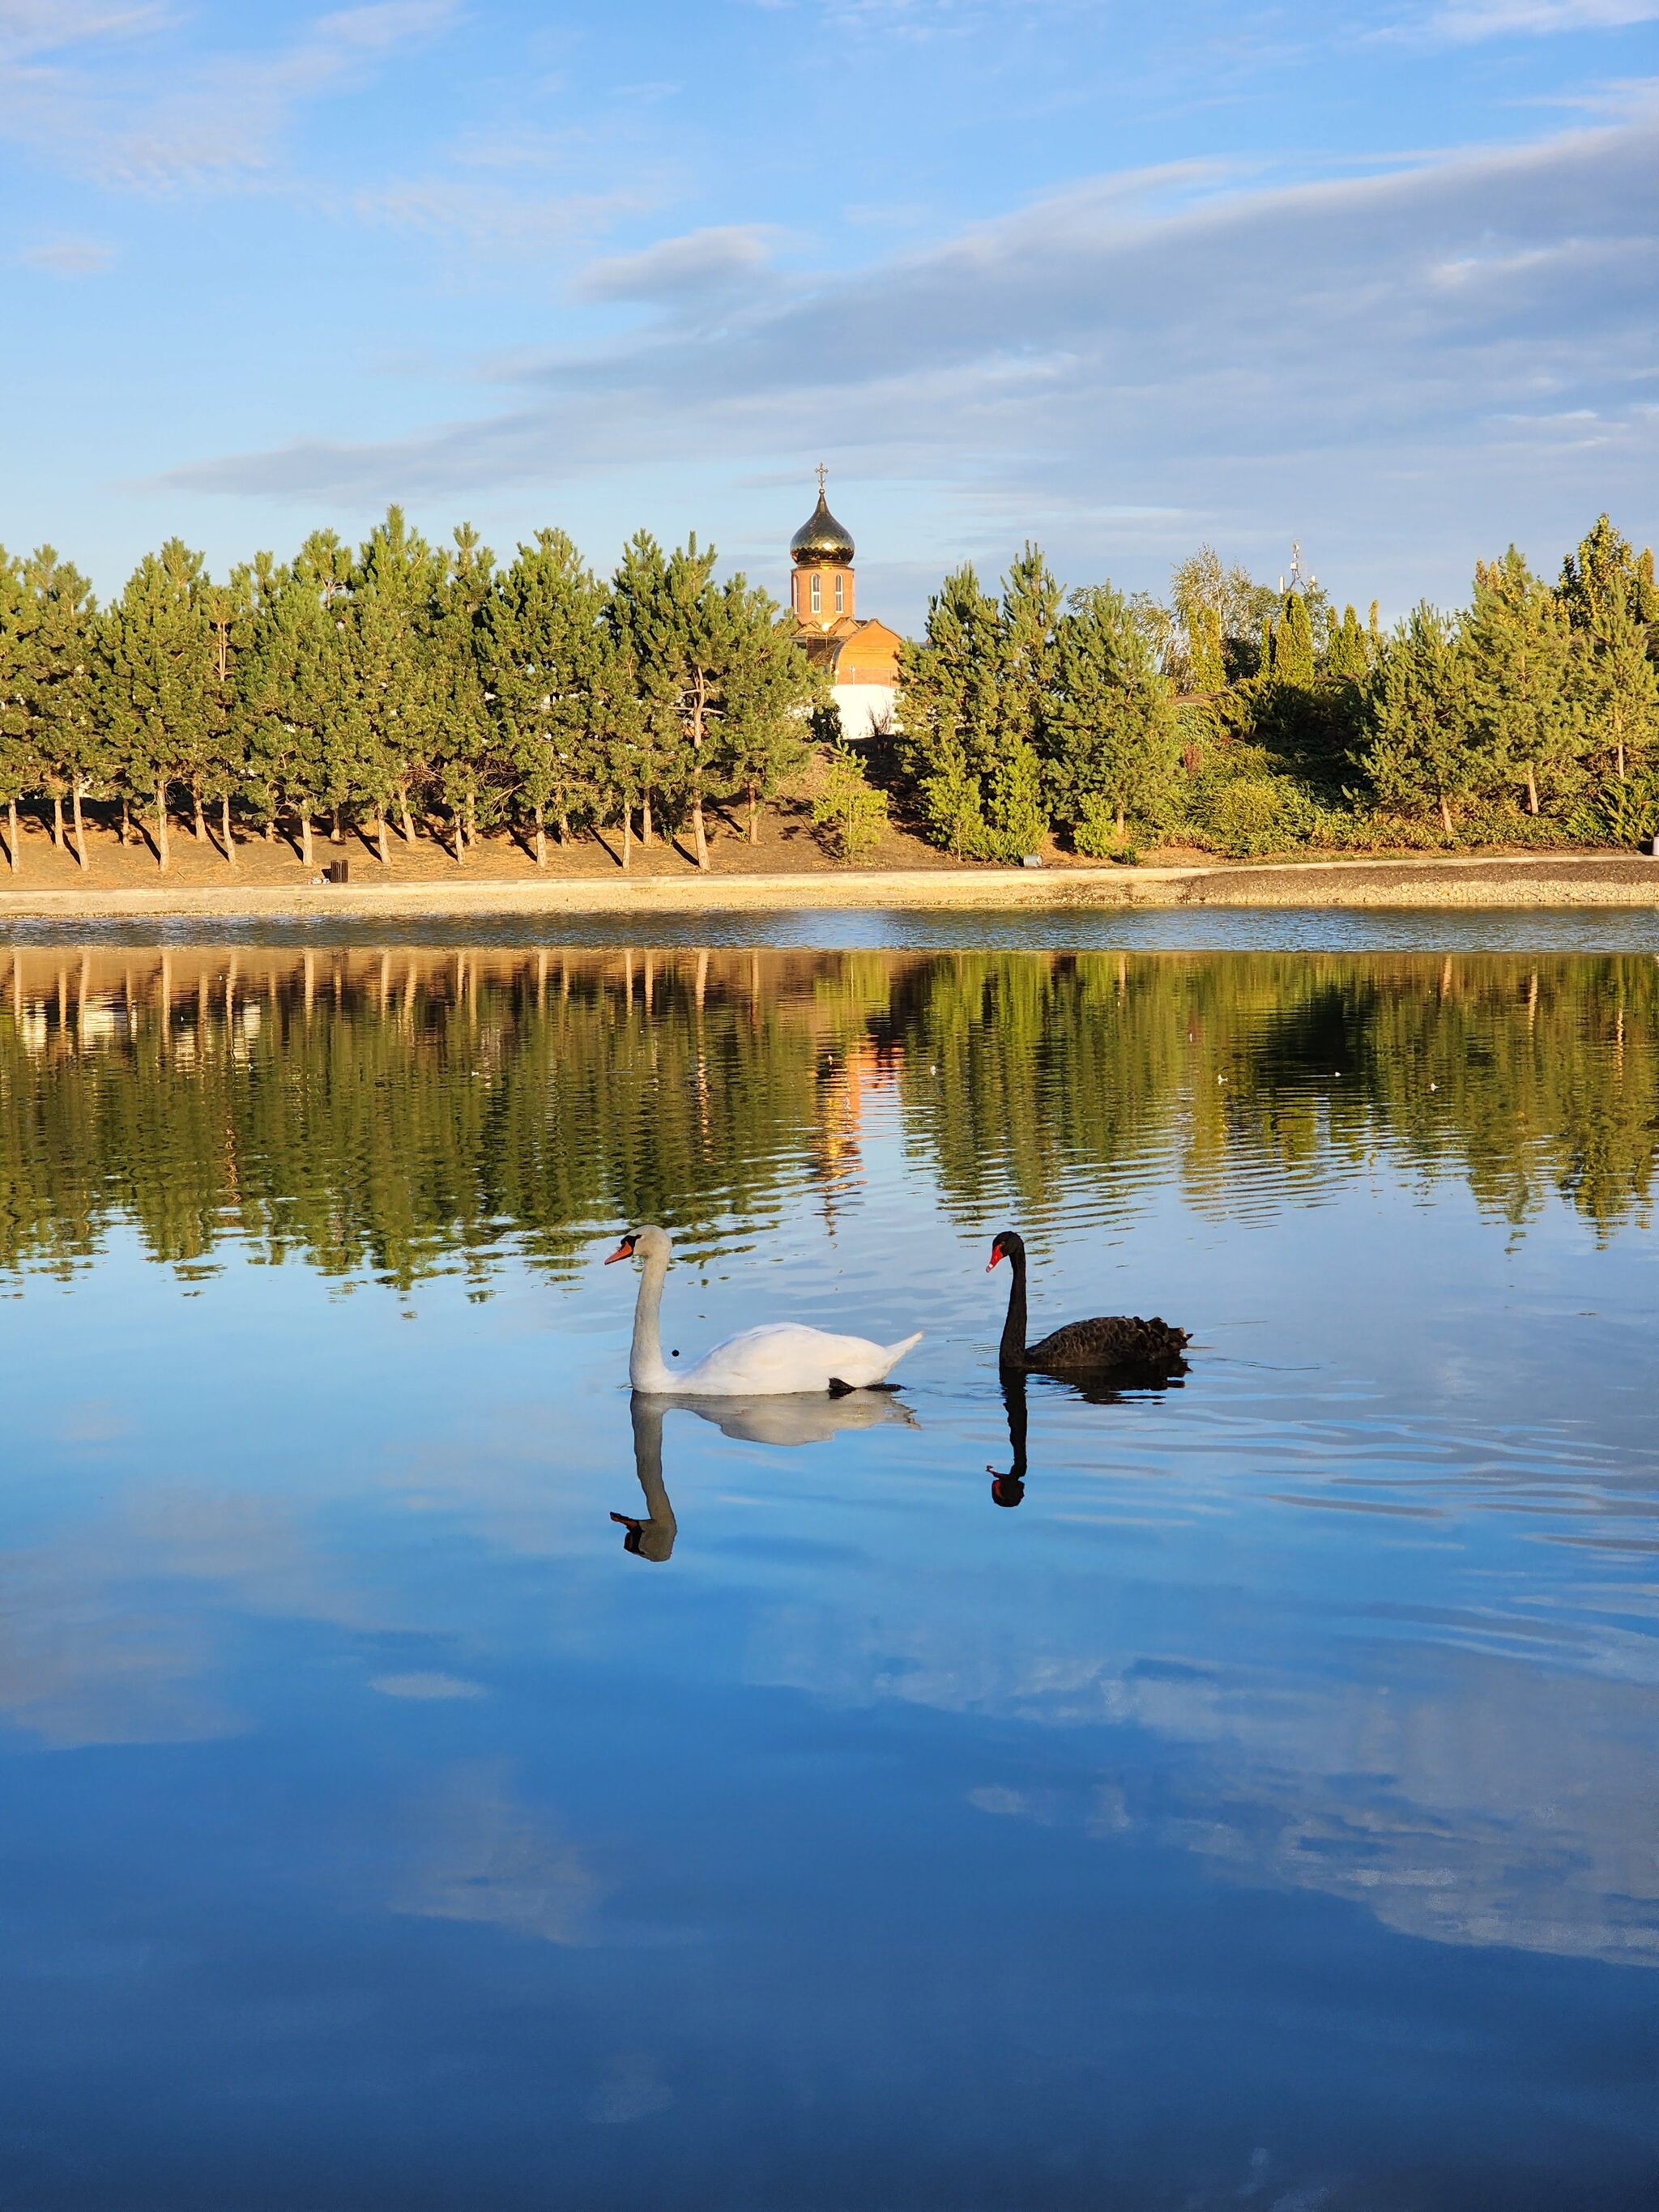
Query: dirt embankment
{"points": [[787, 869]]}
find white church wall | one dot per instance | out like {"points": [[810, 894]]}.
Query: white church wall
{"points": [[863, 708]]}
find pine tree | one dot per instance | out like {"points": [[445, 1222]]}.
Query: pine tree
{"points": [[547, 661], [66, 738], [947, 712], [152, 675], [1111, 738], [20, 766], [1016, 819], [1516, 646], [462, 728], [399, 691], [1606, 591], [1424, 755], [769, 690]]}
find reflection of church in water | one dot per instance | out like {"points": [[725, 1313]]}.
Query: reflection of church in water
{"points": [[861, 657]]}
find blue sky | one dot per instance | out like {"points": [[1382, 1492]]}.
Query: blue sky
{"points": [[1118, 276]]}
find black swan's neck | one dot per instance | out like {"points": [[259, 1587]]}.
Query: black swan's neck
{"points": [[1010, 1352]]}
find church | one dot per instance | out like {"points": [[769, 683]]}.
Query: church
{"points": [[861, 657]]}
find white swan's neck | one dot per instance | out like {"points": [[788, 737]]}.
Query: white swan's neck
{"points": [[646, 1370]]}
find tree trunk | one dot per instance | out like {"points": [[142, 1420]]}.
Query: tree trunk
{"points": [[645, 818], [460, 839], [11, 837], [698, 836], [80, 827], [201, 820], [379, 837], [1619, 749], [1121, 826], [126, 822], [754, 816], [564, 827], [1532, 793], [269, 832], [627, 836], [305, 836], [472, 817], [58, 820], [334, 837], [541, 840], [1445, 816], [404, 824], [162, 855], [225, 831]]}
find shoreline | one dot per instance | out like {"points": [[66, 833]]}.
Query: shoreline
{"points": [[1434, 880]]}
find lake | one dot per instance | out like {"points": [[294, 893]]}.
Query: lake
{"points": [[1240, 1790]]}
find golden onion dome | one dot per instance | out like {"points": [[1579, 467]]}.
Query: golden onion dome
{"points": [[821, 537]]}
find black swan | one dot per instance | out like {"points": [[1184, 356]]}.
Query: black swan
{"points": [[1115, 1341]]}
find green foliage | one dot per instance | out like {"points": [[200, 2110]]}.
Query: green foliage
{"points": [[848, 811], [1516, 645], [1293, 641], [947, 712], [1242, 806], [1420, 758], [1110, 738], [1623, 813]]}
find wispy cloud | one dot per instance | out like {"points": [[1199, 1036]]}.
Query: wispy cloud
{"points": [[1465, 22], [70, 256], [169, 118], [686, 271]]}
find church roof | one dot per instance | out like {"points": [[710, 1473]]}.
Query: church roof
{"points": [[821, 537]]}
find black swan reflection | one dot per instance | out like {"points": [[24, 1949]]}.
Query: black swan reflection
{"points": [[763, 1420], [1110, 1345], [1010, 1489]]}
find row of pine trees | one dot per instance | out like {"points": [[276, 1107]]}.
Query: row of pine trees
{"points": [[395, 688], [1247, 720], [401, 688]]}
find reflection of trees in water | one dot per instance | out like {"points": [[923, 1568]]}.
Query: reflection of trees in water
{"points": [[395, 1112]]}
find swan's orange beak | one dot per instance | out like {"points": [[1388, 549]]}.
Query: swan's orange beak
{"points": [[623, 1251]]}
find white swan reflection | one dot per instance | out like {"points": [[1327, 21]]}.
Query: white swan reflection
{"points": [[798, 1419]]}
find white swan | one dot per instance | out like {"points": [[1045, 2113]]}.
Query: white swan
{"points": [[760, 1363]]}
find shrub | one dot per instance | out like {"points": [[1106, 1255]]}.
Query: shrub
{"points": [[1619, 814], [849, 814]]}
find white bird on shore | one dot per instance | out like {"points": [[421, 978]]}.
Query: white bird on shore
{"points": [[760, 1363]]}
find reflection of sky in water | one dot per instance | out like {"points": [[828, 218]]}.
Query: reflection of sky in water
{"points": [[1263, 1812]]}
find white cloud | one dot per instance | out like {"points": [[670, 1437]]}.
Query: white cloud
{"points": [[1355, 355]]}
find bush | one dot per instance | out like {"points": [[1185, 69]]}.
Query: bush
{"points": [[849, 814], [1619, 814], [1241, 806]]}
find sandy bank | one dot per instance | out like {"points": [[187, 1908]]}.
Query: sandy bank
{"points": [[1553, 879]]}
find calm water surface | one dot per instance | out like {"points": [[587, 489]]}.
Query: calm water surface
{"points": [[1263, 1810]]}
